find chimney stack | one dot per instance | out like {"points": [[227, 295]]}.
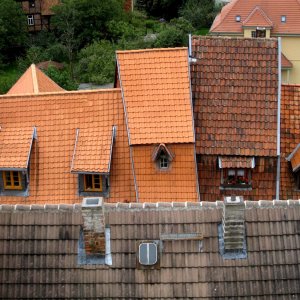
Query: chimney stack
{"points": [[233, 223], [93, 225]]}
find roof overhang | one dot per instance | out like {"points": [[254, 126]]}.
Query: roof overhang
{"points": [[236, 162]]}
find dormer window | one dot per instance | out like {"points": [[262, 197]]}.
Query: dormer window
{"points": [[238, 18], [163, 157], [12, 180], [283, 19], [92, 182]]}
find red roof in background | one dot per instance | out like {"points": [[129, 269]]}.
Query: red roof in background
{"points": [[34, 81], [226, 22], [235, 86]]}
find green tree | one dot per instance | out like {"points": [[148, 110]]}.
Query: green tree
{"points": [[97, 63], [200, 13], [13, 30], [167, 9]]}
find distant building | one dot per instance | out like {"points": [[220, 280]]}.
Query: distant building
{"points": [[38, 13], [265, 19]]}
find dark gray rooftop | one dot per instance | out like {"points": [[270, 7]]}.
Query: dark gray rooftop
{"points": [[39, 253]]}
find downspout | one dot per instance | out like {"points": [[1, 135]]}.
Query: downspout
{"points": [[278, 121], [192, 109]]}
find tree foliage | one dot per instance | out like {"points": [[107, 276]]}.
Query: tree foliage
{"points": [[13, 30], [167, 9]]}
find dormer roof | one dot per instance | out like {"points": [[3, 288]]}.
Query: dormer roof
{"points": [[258, 18], [34, 81]]}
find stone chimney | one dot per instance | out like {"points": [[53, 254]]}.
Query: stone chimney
{"points": [[93, 225], [233, 223]]}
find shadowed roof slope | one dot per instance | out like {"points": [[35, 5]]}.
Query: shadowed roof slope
{"points": [[156, 95], [235, 87], [225, 21], [34, 81], [39, 253]]}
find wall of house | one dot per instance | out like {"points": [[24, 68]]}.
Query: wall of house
{"points": [[290, 48], [263, 180], [178, 183]]}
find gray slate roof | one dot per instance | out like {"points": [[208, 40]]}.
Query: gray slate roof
{"points": [[39, 246]]}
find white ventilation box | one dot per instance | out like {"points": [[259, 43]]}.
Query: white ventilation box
{"points": [[92, 202], [148, 254]]}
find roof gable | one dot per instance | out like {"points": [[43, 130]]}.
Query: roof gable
{"points": [[156, 95], [258, 18], [225, 22], [34, 81]]}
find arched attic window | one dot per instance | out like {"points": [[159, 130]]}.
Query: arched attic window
{"points": [[162, 156]]}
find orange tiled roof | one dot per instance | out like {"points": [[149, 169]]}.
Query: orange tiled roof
{"points": [[225, 22], [236, 162], [15, 146], [156, 91], [34, 81], [46, 6], [258, 18], [285, 62], [235, 86], [93, 150], [56, 117]]}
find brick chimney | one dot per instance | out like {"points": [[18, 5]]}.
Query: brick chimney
{"points": [[93, 225], [233, 223]]}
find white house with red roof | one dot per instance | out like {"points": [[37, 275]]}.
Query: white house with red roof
{"points": [[265, 19]]}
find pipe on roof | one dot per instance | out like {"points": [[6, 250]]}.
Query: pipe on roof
{"points": [[278, 121]]}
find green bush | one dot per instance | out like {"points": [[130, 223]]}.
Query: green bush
{"points": [[62, 78]]}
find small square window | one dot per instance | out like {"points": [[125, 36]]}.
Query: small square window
{"points": [[30, 20], [238, 18], [283, 19], [92, 183], [12, 180]]}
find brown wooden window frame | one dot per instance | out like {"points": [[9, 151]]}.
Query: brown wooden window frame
{"points": [[12, 185], [93, 183]]}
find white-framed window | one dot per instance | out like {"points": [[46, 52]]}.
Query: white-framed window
{"points": [[236, 178], [163, 161], [30, 20], [148, 254], [283, 19], [238, 18]]}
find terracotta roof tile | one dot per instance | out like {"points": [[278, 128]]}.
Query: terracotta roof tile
{"points": [[225, 22], [235, 86], [295, 160], [236, 162], [93, 149], [34, 81], [15, 146], [156, 93], [56, 117]]}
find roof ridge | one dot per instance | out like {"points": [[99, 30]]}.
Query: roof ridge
{"points": [[151, 49], [34, 79], [60, 93], [262, 12], [261, 204]]}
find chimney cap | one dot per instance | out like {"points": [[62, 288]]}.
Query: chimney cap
{"points": [[234, 200], [92, 202]]}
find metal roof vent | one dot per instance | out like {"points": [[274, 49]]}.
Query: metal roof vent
{"points": [[233, 223], [148, 254], [92, 202]]}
